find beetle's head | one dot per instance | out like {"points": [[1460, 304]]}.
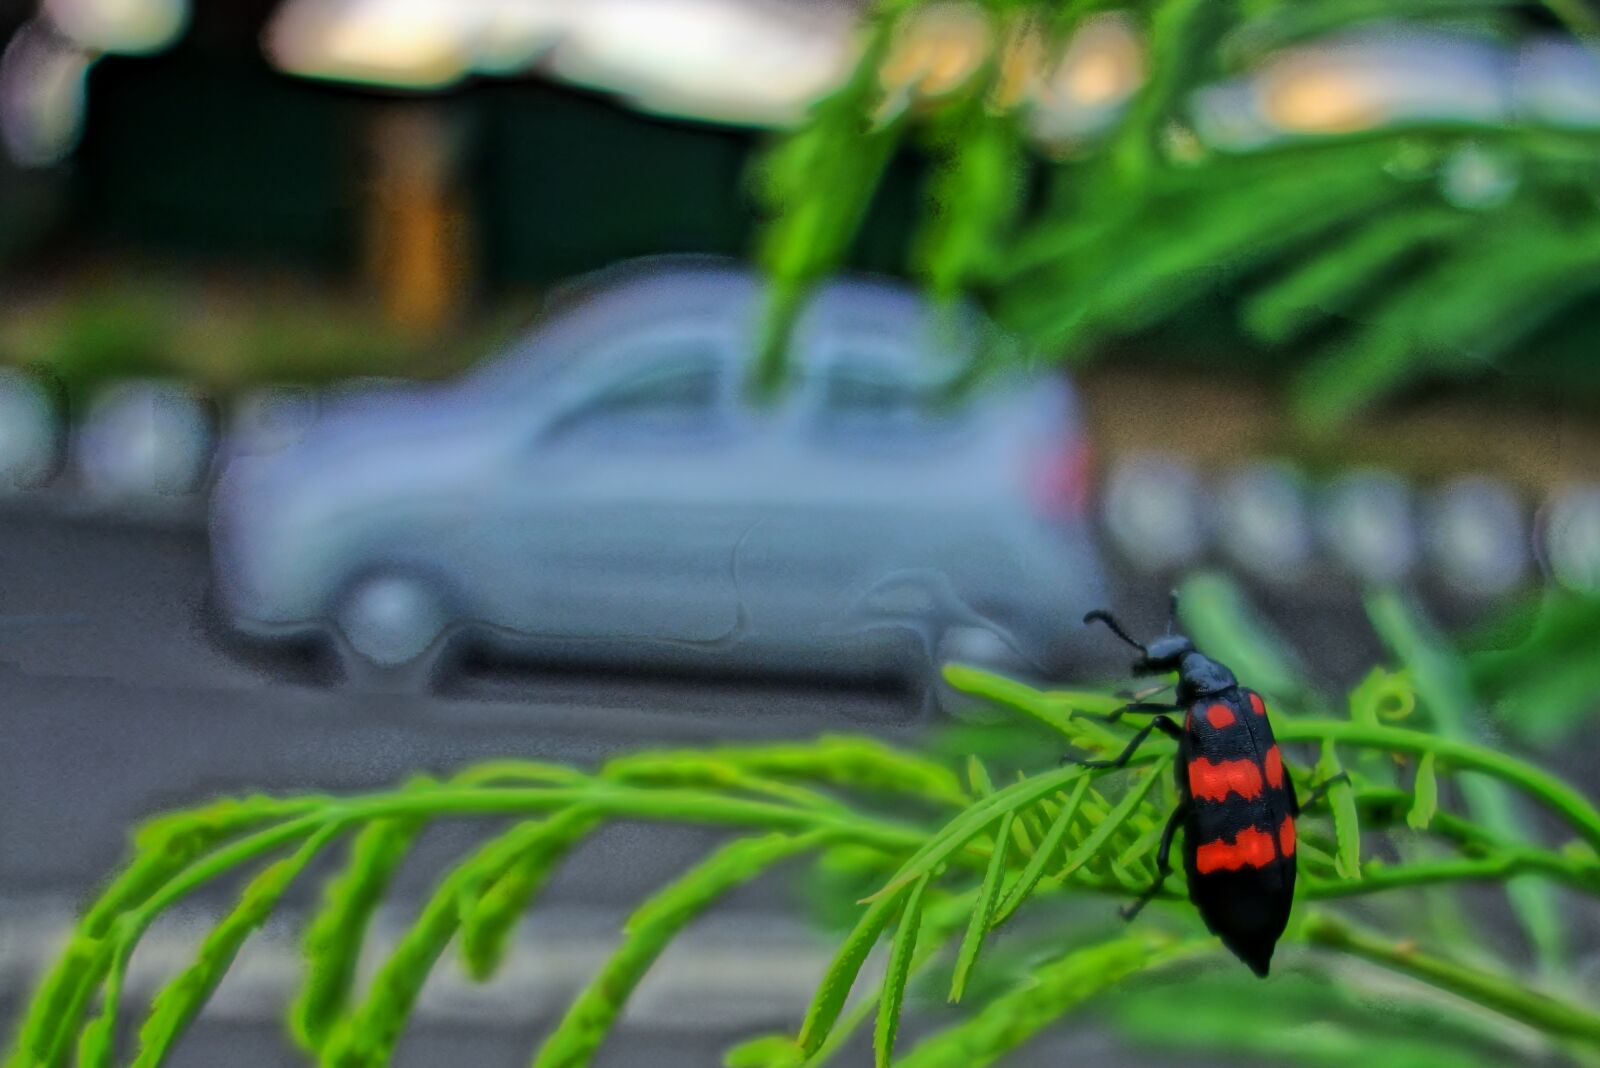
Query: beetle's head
{"points": [[1164, 654]]}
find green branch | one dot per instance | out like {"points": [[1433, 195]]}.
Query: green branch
{"points": [[1376, 878], [1505, 996], [1538, 783]]}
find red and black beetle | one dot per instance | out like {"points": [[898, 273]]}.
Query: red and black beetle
{"points": [[1236, 803]]}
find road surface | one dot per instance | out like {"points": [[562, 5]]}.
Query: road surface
{"points": [[119, 698]]}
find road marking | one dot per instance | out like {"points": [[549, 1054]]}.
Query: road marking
{"points": [[730, 970]]}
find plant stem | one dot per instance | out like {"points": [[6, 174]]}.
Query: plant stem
{"points": [[1541, 784], [232, 855], [1386, 806], [689, 806], [1377, 878], [1537, 1010], [1576, 16]]}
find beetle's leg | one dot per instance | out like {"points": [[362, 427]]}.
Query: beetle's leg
{"points": [[1160, 723], [1317, 792], [1172, 611], [1140, 695], [1135, 707], [1147, 707], [1163, 861]]}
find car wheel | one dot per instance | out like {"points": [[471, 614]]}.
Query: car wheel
{"points": [[391, 624]]}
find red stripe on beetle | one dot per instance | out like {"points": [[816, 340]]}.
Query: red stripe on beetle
{"points": [[1213, 782], [1274, 765], [1256, 704], [1219, 716], [1250, 849], [1286, 836]]}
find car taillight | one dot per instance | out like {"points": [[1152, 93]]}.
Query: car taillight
{"points": [[1061, 479]]}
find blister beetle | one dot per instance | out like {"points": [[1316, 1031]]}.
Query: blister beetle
{"points": [[1236, 803]]}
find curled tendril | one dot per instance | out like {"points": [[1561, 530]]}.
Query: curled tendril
{"points": [[1383, 697]]}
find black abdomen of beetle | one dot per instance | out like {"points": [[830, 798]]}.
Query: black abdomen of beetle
{"points": [[1239, 836]]}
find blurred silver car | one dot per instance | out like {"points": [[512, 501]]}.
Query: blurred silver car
{"points": [[606, 492]]}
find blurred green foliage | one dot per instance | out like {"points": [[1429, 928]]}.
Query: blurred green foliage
{"points": [[1538, 668], [1362, 258]]}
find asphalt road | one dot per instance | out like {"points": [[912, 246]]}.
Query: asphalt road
{"points": [[119, 698]]}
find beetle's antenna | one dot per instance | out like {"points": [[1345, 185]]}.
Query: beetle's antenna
{"points": [[1116, 628], [1172, 612]]}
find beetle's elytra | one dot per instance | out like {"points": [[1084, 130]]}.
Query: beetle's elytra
{"points": [[1236, 804]]}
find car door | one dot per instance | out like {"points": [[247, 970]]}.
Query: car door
{"points": [[848, 557], [624, 528]]}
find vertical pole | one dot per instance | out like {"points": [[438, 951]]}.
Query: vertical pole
{"points": [[418, 248]]}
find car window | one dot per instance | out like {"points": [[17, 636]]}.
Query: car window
{"points": [[867, 395], [668, 396]]}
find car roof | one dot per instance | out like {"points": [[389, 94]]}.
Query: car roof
{"points": [[886, 320]]}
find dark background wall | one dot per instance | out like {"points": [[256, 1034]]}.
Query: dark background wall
{"points": [[205, 153]]}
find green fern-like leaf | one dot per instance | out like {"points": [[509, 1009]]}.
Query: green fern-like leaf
{"points": [[333, 938], [579, 1034], [971, 823], [1116, 818], [1039, 862], [845, 966], [1046, 994], [163, 848], [59, 1002], [1331, 281], [988, 896], [366, 1037], [176, 1006], [896, 974], [974, 196], [1427, 795], [97, 1043], [824, 195], [1346, 821], [487, 921]]}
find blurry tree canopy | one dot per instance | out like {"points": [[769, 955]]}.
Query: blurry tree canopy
{"points": [[1362, 257]]}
